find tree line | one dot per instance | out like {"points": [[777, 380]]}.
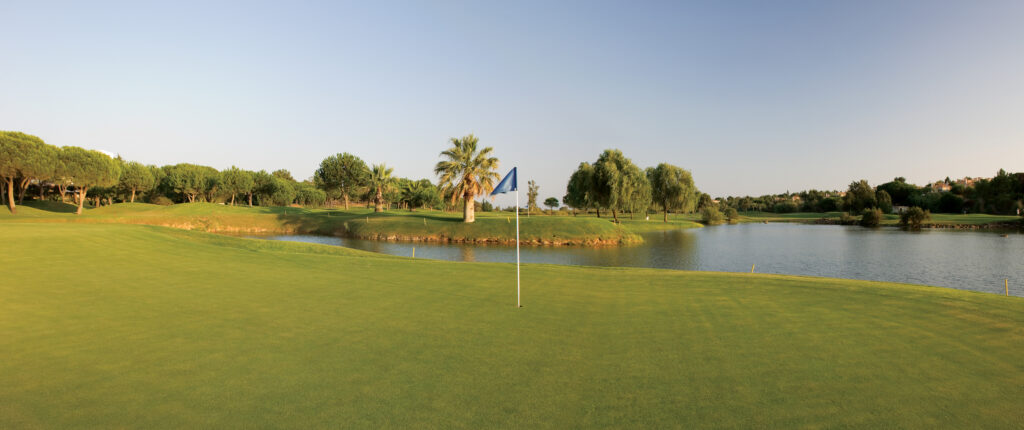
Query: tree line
{"points": [[613, 183], [466, 171], [1002, 194], [88, 175]]}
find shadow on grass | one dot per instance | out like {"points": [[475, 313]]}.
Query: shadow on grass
{"points": [[51, 206]]}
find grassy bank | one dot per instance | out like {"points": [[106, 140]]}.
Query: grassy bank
{"points": [[106, 326], [420, 225]]}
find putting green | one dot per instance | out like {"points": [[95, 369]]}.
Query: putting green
{"points": [[107, 326]]}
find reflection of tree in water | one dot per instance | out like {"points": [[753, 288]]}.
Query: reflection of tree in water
{"points": [[467, 252], [665, 250]]}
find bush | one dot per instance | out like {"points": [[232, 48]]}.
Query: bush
{"points": [[711, 216], [161, 200], [847, 219], [731, 214], [914, 216], [871, 217]]}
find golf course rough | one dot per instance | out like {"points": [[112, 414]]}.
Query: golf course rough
{"points": [[109, 326]]}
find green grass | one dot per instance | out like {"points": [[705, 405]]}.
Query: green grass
{"points": [[113, 326]]}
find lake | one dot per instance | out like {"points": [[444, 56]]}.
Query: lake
{"points": [[969, 260]]}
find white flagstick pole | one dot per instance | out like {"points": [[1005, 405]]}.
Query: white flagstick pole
{"points": [[518, 303]]}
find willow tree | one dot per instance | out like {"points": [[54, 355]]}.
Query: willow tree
{"points": [[672, 188], [578, 191], [465, 172], [380, 182], [636, 190], [617, 182], [86, 169]]}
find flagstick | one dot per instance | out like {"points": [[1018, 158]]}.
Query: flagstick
{"points": [[518, 302]]}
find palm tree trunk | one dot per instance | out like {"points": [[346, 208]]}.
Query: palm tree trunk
{"points": [[378, 202], [469, 208]]}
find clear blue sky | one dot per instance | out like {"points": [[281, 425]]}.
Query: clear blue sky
{"points": [[753, 97]]}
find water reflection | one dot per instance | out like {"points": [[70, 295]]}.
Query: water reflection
{"points": [[959, 259]]}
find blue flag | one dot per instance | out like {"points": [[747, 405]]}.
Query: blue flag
{"points": [[507, 184]]}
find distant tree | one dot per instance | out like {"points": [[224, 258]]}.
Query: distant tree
{"points": [[860, 196], [421, 193], [380, 182], [484, 206], [190, 180], [704, 200], [615, 182], [785, 207], [344, 175], [104, 194], [731, 214], [159, 189], [710, 215], [579, 190], [271, 190], [914, 217], [829, 204], [884, 201], [672, 188], [236, 181], [283, 174], [24, 157], [638, 191], [87, 169], [532, 190], [465, 173], [900, 191], [136, 177], [871, 218], [551, 202], [307, 194]]}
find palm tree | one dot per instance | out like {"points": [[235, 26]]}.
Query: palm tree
{"points": [[380, 182], [466, 173]]}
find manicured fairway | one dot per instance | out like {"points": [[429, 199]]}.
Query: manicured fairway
{"points": [[112, 326]]}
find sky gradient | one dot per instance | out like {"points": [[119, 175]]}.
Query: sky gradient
{"points": [[752, 97]]}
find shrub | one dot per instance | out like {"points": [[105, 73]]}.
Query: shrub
{"points": [[161, 200], [731, 214], [847, 219], [871, 217], [711, 216], [914, 216]]}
